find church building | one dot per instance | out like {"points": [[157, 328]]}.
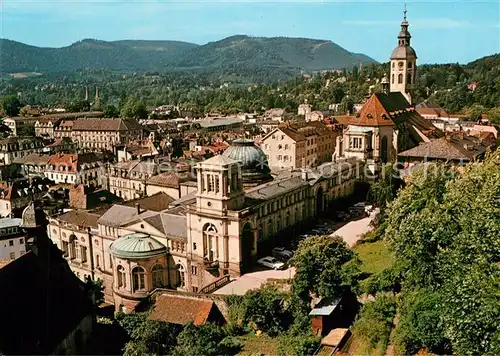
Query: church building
{"points": [[388, 123]]}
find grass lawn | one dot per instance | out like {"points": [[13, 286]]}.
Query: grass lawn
{"points": [[258, 345], [375, 256]]}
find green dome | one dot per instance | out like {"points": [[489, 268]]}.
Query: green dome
{"points": [[137, 246], [254, 164]]}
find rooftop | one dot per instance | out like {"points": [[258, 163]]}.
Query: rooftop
{"points": [[137, 245], [275, 188], [181, 310], [9, 222], [80, 218]]}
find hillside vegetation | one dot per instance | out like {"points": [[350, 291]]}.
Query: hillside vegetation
{"points": [[229, 90], [281, 57]]}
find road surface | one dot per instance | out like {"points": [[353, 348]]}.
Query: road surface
{"points": [[254, 280], [352, 231]]}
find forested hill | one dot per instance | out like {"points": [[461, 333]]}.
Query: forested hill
{"points": [[239, 55], [130, 55], [254, 52]]}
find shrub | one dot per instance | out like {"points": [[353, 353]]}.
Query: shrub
{"points": [[293, 345], [375, 321]]}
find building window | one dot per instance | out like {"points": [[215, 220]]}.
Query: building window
{"points": [[11, 242], [158, 276], [83, 254], [210, 242], [195, 289], [410, 65], [194, 270], [122, 281], [98, 261], [12, 255], [181, 275], [65, 248], [400, 78], [408, 78], [139, 278]]}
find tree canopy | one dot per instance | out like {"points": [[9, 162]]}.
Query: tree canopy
{"points": [[444, 228]]}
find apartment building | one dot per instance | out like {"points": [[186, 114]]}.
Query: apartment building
{"points": [[291, 146], [104, 134]]}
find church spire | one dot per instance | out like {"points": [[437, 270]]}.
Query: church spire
{"points": [[404, 36]]}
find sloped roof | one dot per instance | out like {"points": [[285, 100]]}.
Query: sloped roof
{"points": [[93, 124], [80, 218], [170, 180], [447, 148], [326, 306], [274, 188], [219, 160], [156, 202], [33, 159], [181, 310]]}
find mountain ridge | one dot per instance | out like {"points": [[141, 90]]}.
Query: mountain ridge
{"points": [[234, 54]]}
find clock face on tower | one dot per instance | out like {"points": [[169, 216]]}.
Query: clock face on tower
{"points": [[400, 65]]}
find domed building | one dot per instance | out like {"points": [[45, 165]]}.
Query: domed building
{"points": [[255, 167], [140, 265]]}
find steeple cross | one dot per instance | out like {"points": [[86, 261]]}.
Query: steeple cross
{"points": [[404, 12]]}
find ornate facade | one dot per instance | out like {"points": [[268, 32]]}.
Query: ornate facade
{"points": [[217, 231]]}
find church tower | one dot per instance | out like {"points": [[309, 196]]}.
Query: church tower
{"points": [[403, 63]]}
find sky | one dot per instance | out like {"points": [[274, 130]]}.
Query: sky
{"points": [[443, 31]]}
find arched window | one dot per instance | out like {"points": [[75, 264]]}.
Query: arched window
{"points": [[408, 78], [181, 275], [122, 280], [393, 78], [393, 64], [158, 276], [400, 79], [297, 217], [287, 219], [210, 242], [410, 65], [139, 278]]}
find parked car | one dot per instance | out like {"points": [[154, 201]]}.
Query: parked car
{"points": [[271, 262], [282, 253]]}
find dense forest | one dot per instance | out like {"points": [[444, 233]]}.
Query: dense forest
{"points": [[447, 85], [259, 59]]}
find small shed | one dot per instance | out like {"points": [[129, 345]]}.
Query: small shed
{"points": [[331, 313]]}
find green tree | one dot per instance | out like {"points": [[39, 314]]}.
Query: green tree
{"points": [[421, 324], [154, 338], [147, 336], [374, 322], [206, 339], [134, 108], [385, 188], [111, 111], [11, 105], [267, 309], [444, 230], [325, 266]]}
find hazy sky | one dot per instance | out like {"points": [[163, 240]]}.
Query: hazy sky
{"points": [[443, 31]]}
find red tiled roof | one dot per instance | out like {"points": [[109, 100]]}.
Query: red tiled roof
{"points": [[181, 310]]}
